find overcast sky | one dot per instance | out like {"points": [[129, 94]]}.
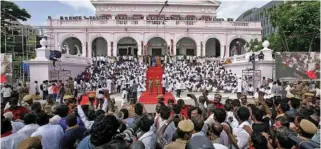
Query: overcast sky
{"points": [[40, 10]]}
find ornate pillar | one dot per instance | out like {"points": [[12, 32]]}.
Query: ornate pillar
{"points": [[140, 49], [114, 51], [89, 51]]}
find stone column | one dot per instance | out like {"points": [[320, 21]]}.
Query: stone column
{"points": [[115, 50], [83, 48], [198, 50], [222, 51], [90, 51]]}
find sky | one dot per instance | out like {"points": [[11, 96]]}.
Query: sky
{"points": [[40, 10]]}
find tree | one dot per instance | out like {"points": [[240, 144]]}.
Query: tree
{"points": [[11, 14], [297, 24], [254, 45]]}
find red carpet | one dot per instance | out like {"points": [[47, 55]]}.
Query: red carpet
{"points": [[154, 73], [145, 98]]}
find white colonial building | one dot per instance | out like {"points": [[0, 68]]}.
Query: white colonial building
{"points": [[184, 27]]}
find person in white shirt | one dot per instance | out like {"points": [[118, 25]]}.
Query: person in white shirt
{"points": [[50, 134], [240, 136], [6, 94], [8, 139], [30, 124]]}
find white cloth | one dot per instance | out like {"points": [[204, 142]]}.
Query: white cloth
{"points": [[16, 126], [242, 136], [83, 118], [12, 141], [219, 146], [6, 91], [149, 139], [54, 120], [50, 135], [29, 129]]}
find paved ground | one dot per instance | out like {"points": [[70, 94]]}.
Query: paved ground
{"points": [[151, 107]]}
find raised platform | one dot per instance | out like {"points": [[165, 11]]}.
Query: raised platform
{"points": [[146, 98]]}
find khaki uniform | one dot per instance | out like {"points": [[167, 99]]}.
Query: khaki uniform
{"points": [[157, 82], [178, 144], [150, 86]]}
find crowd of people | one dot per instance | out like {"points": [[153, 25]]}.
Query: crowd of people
{"points": [[280, 115], [265, 123]]}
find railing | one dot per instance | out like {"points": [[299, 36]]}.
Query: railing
{"points": [[190, 23]]}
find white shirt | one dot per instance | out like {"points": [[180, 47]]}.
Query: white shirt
{"points": [[6, 91], [16, 126], [29, 129], [83, 118], [242, 136], [149, 140], [219, 146], [12, 141], [50, 135]]}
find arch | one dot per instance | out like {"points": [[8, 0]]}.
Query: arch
{"points": [[237, 46], [99, 46], [72, 46], [213, 47], [154, 36], [63, 38], [186, 46], [157, 46], [127, 46]]}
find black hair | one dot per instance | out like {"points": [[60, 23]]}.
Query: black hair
{"points": [[165, 112], [125, 112], [5, 125], [62, 110], [257, 113], [42, 119], [139, 109], [100, 112], [180, 102], [219, 115], [170, 101], [236, 103], [269, 102], [198, 123], [258, 140], [285, 107], [146, 122], [71, 120], [295, 103], [103, 129], [177, 109], [189, 112], [29, 118], [228, 106], [282, 137], [91, 115], [243, 113]]}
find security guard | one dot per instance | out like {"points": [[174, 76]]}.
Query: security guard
{"points": [[184, 133], [150, 86], [157, 82]]}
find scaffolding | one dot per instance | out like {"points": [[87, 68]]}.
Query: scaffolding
{"points": [[21, 41]]}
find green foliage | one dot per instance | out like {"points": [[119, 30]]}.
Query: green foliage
{"points": [[298, 25], [11, 14], [254, 45]]}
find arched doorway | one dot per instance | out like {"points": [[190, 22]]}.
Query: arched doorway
{"points": [[99, 47], [213, 48], [72, 46], [127, 46], [157, 47], [186, 46], [237, 47]]}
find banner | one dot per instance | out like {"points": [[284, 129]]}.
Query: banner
{"points": [[299, 65], [6, 68]]}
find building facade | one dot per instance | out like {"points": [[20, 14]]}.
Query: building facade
{"points": [[261, 15], [148, 27]]}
